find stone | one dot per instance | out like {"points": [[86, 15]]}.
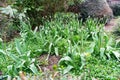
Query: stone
{"points": [[115, 5], [95, 9]]}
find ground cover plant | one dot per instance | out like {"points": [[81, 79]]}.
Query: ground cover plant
{"points": [[85, 49]]}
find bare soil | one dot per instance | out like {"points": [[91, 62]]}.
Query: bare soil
{"points": [[112, 25], [48, 62]]}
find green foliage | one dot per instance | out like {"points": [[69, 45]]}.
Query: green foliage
{"points": [[10, 22], [36, 9], [101, 69], [63, 36], [22, 60]]}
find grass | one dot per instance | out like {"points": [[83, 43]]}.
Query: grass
{"points": [[83, 47]]}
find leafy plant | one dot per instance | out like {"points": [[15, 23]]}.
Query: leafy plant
{"points": [[21, 58], [10, 22], [64, 36]]}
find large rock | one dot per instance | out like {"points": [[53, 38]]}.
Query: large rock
{"points": [[115, 5], [95, 9]]}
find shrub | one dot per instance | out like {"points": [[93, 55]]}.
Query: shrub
{"points": [[36, 9]]}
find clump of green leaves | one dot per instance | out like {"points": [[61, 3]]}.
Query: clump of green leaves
{"points": [[21, 58], [63, 36]]}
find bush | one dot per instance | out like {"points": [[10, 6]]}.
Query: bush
{"points": [[36, 9]]}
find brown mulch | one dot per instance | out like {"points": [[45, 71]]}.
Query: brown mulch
{"points": [[48, 62]]}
